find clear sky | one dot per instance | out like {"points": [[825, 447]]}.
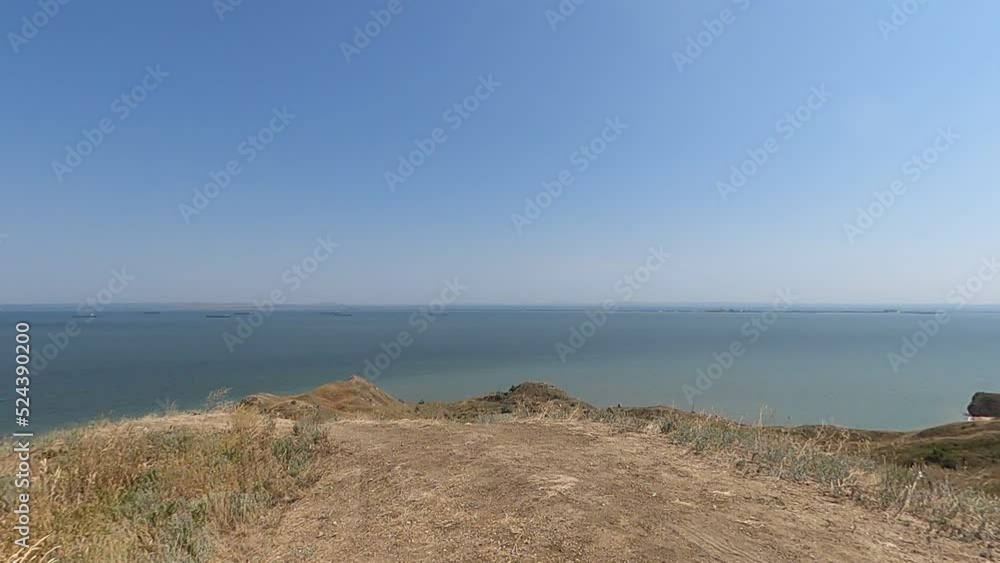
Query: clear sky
{"points": [[68, 225]]}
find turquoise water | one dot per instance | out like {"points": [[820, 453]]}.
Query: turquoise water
{"points": [[807, 368]]}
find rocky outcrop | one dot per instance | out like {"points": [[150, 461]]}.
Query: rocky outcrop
{"points": [[524, 398], [985, 405]]}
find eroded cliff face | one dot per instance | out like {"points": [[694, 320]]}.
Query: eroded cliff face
{"points": [[985, 405]]}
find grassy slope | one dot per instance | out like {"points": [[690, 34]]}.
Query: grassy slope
{"points": [[158, 489], [965, 452], [164, 488]]}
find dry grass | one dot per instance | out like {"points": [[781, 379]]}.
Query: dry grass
{"points": [[218, 400], [134, 494], [830, 456]]}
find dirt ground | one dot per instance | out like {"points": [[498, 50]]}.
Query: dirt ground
{"points": [[424, 490]]}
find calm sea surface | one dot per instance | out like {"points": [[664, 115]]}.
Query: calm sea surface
{"points": [[807, 368]]}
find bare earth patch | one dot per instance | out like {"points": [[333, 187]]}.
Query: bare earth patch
{"points": [[426, 490]]}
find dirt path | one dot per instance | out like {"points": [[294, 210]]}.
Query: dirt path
{"points": [[435, 491]]}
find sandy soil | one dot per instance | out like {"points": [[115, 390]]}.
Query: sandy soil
{"points": [[422, 490]]}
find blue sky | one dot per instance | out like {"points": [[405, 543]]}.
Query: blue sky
{"points": [[655, 184]]}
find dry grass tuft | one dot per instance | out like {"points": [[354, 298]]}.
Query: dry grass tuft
{"points": [[143, 494], [218, 400]]}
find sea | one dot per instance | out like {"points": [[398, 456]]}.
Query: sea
{"points": [[789, 368]]}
